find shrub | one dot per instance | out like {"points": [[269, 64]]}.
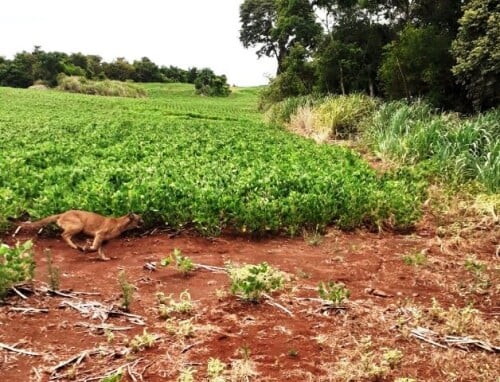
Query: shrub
{"points": [[251, 281], [16, 265], [75, 84]]}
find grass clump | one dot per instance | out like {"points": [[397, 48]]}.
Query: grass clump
{"points": [[17, 265], [443, 145], [75, 84], [168, 307], [340, 117], [251, 281]]}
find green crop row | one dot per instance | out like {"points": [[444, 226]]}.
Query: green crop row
{"points": [[184, 160]]}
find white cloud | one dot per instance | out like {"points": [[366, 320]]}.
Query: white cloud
{"points": [[183, 33]]}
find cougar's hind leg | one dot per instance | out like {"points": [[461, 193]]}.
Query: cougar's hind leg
{"points": [[97, 246], [68, 238]]}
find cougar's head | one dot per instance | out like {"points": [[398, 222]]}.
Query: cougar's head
{"points": [[134, 220]]}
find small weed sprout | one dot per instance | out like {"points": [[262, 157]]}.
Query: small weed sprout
{"points": [[53, 271], [366, 364], [117, 376], [142, 341], [127, 291], [181, 329], [221, 294], [183, 263], [250, 281], [186, 374], [334, 292], [243, 369], [481, 279], [215, 370], [110, 336], [313, 237], [415, 259], [168, 307]]}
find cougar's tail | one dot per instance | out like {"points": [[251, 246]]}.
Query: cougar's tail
{"points": [[40, 223]]}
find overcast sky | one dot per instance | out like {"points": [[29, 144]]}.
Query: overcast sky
{"points": [[183, 33]]}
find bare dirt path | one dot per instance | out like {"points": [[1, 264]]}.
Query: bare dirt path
{"points": [[308, 346]]}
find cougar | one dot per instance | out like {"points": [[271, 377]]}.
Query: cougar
{"points": [[99, 227]]}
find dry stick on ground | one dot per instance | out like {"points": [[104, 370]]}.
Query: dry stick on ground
{"points": [[114, 370], [99, 310], [19, 293], [103, 327], [16, 350], [77, 359], [28, 310], [211, 268], [432, 337], [272, 302]]}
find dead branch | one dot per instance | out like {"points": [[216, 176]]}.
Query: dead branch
{"points": [[272, 302], [188, 347], [77, 359], [211, 268], [103, 327], [19, 293], [445, 342], [28, 310], [17, 350]]}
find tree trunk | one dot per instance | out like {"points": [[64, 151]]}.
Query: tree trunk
{"points": [[371, 87], [342, 88]]}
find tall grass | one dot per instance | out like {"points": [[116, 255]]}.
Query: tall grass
{"points": [[458, 149], [341, 116], [75, 84]]}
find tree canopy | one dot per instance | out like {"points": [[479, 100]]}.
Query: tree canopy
{"points": [[446, 51]]}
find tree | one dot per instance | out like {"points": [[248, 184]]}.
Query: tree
{"points": [[146, 71], [477, 53], [209, 84], [418, 65], [120, 70], [275, 26]]}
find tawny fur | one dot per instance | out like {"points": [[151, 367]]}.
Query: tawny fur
{"points": [[99, 227]]}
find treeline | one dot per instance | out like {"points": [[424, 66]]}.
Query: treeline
{"points": [[39, 66], [445, 51]]}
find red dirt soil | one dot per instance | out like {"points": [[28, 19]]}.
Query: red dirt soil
{"points": [[304, 347]]}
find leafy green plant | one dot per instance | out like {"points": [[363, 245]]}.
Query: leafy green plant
{"points": [[183, 263], [250, 281], [127, 291], [16, 265], [334, 292], [53, 271]]}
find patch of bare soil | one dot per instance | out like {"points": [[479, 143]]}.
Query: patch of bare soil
{"points": [[83, 336]]}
